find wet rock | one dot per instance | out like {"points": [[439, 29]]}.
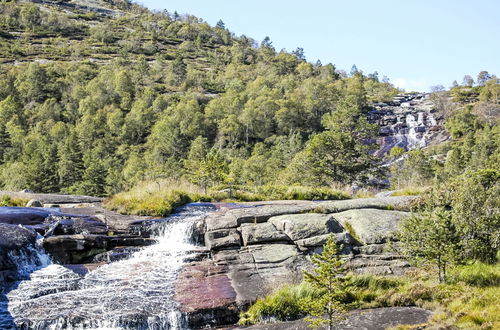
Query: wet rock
{"points": [[69, 225], [262, 233], [371, 226], [34, 203], [12, 240], [23, 215], [15, 237], [74, 249], [302, 226]]}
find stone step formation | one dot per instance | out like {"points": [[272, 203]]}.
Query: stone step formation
{"points": [[230, 255]]}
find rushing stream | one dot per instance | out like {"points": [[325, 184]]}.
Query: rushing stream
{"points": [[135, 293]]}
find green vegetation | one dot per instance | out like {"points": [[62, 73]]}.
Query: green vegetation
{"points": [[116, 100], [6, 200], [468, 301], [160, 197], [284, 304], [458, 222], [328, 307]]}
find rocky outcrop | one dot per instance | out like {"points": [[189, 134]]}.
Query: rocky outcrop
{"points": [[75, 234], [255, 247]]}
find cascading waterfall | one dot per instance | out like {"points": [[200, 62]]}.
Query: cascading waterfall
{"points": [[414, 140], [135, 293]]}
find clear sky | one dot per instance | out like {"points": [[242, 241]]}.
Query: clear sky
{"points": [[416, 44]]}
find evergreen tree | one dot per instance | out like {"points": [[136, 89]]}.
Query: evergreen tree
{"points": [[328, 266], [341, 153], [430, 237]]}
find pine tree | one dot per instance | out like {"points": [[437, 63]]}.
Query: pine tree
{"points": [[430, 237], [328, 266]]}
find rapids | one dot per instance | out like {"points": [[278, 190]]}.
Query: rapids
{"points": [[135, 293]]}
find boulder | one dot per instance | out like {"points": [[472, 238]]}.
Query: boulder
{"points": [[301, 226], [34, 203], [221, 239], [371, 226], [262, 233]]}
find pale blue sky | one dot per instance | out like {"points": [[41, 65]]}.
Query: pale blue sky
{"points": [[417, 44]]}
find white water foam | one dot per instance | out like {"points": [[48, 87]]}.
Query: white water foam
{"points": [[136, 293]]}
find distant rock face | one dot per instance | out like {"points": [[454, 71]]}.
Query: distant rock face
{"points": [[409, 121]]}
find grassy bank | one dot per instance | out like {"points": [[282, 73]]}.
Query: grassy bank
{"points": [[470, 299], [6, 200], [159, 198]]}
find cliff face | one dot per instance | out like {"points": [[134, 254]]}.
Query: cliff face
{"points": [[409, 121]]}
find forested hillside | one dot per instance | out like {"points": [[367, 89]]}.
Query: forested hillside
{"points": [[95, 99], [97, 96]]}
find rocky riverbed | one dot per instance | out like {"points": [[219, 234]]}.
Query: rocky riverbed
{"points": [[240, 253]]}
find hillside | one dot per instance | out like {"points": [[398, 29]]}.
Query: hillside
{"points": [[97, 96]]}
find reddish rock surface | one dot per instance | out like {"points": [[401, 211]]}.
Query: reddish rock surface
{"points": [[204, 286], [205, 294]]}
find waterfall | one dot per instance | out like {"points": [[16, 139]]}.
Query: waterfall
{"points": [[30, 258], [135, 293]]}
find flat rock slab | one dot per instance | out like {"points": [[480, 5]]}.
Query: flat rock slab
{"points": [[371, 226], [120, 223], [24, 215], [262, 233], [302, 226], [370, 319], [392, 202]]}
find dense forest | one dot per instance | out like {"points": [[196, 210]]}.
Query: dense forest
{"points": [[94, 102], [175, 95]]}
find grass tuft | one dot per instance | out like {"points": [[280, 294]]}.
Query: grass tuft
{"points": [[282, 305], [6, 200]]}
